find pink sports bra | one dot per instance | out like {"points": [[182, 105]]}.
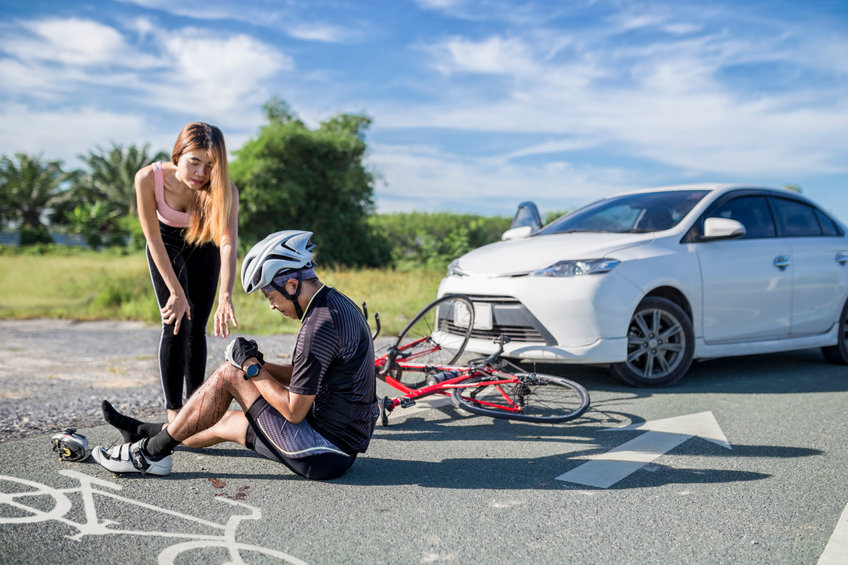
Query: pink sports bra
{"points": [[165, 213]]}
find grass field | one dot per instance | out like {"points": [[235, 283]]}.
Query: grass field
{"points": [[98, 286]]}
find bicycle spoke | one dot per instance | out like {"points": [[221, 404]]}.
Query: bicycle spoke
{"points": [[527, 397]]}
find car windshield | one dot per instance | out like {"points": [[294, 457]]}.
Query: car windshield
{"points": [[632, 213]]}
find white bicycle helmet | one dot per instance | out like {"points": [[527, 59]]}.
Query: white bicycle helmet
{"points": [[288, 250]]}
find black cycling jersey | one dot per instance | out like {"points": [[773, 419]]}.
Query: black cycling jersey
{"points": [[334, 360]]}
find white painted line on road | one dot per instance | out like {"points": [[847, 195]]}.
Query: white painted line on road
{"points": [[836, 550], [606, 469]]}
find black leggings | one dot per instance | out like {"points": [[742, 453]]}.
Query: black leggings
{"points": [[182, 357]]}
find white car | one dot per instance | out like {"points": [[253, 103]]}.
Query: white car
{"points": [[647, 281]]}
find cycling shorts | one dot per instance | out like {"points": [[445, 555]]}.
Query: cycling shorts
{"points": [[297, 446]]}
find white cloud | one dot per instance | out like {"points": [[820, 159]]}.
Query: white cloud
{"points": [[670, 99], [71, 41], [64, 135], [72, 44], [205, 73], [325, 32], [484, 185], [494, 55], [293, 18]]}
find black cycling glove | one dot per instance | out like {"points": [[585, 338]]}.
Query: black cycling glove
{"points": [[240, 350]]}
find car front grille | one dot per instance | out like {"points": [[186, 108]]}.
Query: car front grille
{"points": [[509, 318]]}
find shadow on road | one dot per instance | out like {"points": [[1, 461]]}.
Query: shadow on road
{"points": [[494, 471], [800, 371]]}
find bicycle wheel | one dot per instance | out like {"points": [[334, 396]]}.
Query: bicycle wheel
{"points": [[436, 336], [526, 397]]}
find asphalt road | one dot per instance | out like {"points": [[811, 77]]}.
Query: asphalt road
{"points": [[438, 485]]}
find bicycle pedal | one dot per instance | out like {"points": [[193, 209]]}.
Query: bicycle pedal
{"points": [[406, 402]]}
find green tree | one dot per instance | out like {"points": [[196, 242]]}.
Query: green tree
{"points": [[105, 193], [29, 186], [110, 178], [88, 219], [292, 177], [434, 239]]}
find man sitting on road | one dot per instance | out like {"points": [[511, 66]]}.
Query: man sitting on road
{"points": [[314, 415]]}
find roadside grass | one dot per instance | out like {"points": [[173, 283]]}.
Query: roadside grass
{"points": [[98, 286]]}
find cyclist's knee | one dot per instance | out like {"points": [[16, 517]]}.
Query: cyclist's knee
{"points": [[228, 373]]}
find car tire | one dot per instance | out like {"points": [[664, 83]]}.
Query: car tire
{"points": [[838, 354], [660, 344]]}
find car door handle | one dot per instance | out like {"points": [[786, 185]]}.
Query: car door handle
{"points": [[841, 257], [781, 262]]}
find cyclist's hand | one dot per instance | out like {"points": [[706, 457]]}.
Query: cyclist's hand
{"points": [[223, 316], [174, 310], [240, 350]]}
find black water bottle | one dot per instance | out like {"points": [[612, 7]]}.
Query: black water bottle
{"points": [[439, 376]]}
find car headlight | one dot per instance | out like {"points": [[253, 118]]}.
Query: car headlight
{"points": [[577, 268], [454, 270]]}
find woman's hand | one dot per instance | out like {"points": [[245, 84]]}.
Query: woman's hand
{"points": [[174, 310], [223, 316]]}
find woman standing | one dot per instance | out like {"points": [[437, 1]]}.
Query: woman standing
{"points": [[188, 210]]}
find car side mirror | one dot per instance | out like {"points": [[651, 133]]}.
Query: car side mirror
{"points": [[722, 228], [517, 233], [525, 222]]}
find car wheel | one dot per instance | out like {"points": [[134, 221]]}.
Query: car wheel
{"points": [[838, 354], [660, 344]]}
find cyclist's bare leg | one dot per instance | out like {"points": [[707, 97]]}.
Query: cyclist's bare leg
{"points": [[172, 414], [231, 427], [210, 403]]}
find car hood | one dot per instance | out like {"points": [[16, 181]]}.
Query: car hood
{"points": [[521, 256]]}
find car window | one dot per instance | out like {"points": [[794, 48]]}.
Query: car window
{"points": [[632, 213], [752, 212], [796, 218], [827, 225]]}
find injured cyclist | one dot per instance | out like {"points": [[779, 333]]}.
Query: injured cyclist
{"points": [[313, 415]]}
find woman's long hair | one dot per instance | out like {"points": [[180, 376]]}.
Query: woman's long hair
{"points": [[211, 210]]}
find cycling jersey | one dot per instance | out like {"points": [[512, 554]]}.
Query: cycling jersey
{"points": [[334, 360]]}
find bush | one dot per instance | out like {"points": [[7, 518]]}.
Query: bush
{"points": [[433, 240], [34, 236]]}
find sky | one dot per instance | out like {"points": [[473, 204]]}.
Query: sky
{"points": [[477, 105]]}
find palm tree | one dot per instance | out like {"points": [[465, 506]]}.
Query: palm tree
{"points": [[111, 176], [29, 186]]}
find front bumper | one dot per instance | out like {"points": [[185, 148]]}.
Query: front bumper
{"points": [[565, 320]]}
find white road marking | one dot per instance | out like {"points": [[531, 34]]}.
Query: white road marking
{"points": [[836, 550], [606, 469]]}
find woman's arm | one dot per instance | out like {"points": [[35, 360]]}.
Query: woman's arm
{"points": [[177, 305], [229, 244]]}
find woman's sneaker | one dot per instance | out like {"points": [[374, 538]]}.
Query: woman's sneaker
{"points": [[131, 458]]}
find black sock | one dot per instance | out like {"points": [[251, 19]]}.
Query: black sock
{"points": [[130, 428], [149, 429], [160, 445]]}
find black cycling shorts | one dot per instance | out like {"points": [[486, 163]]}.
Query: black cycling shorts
{"points": [[297, 446]]}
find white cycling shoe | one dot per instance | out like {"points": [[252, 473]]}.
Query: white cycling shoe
{"points": [[131, 458]]}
